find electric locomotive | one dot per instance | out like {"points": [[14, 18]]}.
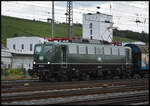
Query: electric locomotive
{"points": [[80, 60]]}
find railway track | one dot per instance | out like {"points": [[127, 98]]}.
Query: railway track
{"points": [[34, 86], [66, 90], [34, 83], [121, 100]]}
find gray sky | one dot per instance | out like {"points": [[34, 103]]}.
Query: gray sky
{"points": [[124, 13]]}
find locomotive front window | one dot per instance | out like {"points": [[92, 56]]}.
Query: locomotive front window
{"points": [[48, 49], [38, 49]]}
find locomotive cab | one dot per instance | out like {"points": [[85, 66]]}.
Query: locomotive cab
{"points": [[44, 53]]}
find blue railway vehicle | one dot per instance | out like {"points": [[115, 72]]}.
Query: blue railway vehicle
{"points": [[140, 58]]}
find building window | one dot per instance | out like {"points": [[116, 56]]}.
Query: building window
{"points": [[91, 33], [30, 47], [90, 25], [22, 46], [14, 47]]}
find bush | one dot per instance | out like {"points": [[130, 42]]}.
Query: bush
{"points": [[13, 71]]}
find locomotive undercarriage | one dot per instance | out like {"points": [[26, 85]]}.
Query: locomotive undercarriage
{"points": [[59, 72]]}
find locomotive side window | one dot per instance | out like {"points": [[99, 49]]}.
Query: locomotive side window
{"points": [[107, 50], [91, 50], [99, 50], [114, 51], [121, 51], [82, 49], [38, 49], [73, 49]]}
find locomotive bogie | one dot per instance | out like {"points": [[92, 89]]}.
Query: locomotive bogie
{"points": [[82, 71]]}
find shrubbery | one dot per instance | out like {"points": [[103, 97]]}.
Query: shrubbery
{"points": [[13, 71], [14, 74]]}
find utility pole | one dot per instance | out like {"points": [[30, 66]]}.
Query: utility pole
{"points": [[69, 18], [53, 19]]}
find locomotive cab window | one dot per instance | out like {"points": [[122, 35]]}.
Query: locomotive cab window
{"points": [[48, 48], [38, 49]]}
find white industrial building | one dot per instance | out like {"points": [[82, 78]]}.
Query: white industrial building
{"points": [[97, 26], [24, 61], [6, 59], [23, 45], [22, 49]]}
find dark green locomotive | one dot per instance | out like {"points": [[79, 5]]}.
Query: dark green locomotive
{"points": [[82, 61]]}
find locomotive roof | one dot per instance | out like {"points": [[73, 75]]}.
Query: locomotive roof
{"points": [[70, 43]]}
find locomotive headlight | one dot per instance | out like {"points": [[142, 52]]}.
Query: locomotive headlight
{"points": [[34, 62], [49, 62]]}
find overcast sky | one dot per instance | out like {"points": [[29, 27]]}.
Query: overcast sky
{"points": [[124, 13]]}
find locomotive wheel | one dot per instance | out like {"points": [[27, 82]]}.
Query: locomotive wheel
{"points": [[69, 75], [44, 77], [128, 76], [41, 76], [116, 77], [57, 78], [92, 76], [69, 78], [47, 78], [146, 76], [80, 77], [123, 75], [136, 76], [86, 76]]}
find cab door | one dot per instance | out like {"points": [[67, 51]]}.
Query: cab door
{"points": [[127, 55], [64, 56]]}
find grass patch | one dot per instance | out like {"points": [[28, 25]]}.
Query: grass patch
{"points": [[14, 74], [14, 77]]}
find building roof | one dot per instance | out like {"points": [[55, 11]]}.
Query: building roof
{"points": [[5, 53]]}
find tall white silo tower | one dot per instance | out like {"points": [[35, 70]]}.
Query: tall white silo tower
{"points": [[97, 26]]}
